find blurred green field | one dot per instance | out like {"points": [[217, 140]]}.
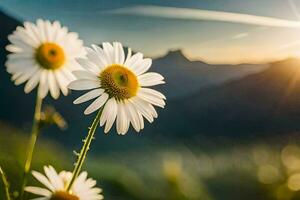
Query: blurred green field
{"points": [[252, 171]]}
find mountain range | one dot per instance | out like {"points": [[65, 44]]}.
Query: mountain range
{"points": [[264, 103], [188, 77], [246, 100]]}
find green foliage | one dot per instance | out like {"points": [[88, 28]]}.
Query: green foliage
{"points": [[13, 150], [254, 171]]}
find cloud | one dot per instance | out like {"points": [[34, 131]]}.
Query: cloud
{"points": [[240, 35], [199, 14], [288, 45], [294, 8]]}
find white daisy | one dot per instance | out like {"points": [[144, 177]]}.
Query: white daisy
{"points": [[44, 53], [82, 189], [120, 85]]}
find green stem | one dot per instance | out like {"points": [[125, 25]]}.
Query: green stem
{"points": [[33, 138], [5, 183], [84, 150]]}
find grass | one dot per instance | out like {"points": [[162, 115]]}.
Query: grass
{"points": [[255, 171]]}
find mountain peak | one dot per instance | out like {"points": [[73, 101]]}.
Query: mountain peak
{"points": [[177, 53], [289, 67]]}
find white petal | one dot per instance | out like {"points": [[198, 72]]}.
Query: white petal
{"points": [[152, 92], [43, 86], [98, 103], [67, 74], [143, 66], [152, 97], [90, 66], [48, 30], [84, 84], [54, 178], [129, 52], [65, 176], [38, 191], [24, 35], [139, 116], [16, 75], [99, 56], [18, 58], [19, 62], [41, 198], [133, 116], [150, 79], [53, 86], [118, 53], [141, 119], [56, 28], [131, 62], [62, 81], [109, 50], [61, 35], [25, 76], [143, 107], [32, 82], [81, 74], [41, 178], [122, 120], [91, 183], [14, 49], [109, 114], [88, 96], [17, 41], [41, 28], [33, 31], [153, 111], [79, 182], [73, 65]]}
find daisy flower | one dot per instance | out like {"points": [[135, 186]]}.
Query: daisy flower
{"points": [[120, 85], [82, 189], [43, 54]]}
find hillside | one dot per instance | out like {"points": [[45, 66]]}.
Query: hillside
{"points": [[188, 77], [263, 103]]}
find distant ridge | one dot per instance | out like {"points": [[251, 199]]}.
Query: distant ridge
{"points": [[190, 76], [176, 54], [259, 104]]}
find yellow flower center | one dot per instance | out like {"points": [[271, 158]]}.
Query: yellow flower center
{"points": [[119, 82], [62, 195], [50, 56]]}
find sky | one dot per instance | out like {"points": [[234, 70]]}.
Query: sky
{"points": [[215, 31]]}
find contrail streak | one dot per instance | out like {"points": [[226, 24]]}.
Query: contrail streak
{"points": [[294, 8], [289, 45], [240, 35], [199, 14], [294, 43]]}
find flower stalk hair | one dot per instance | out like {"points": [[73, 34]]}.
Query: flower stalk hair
{"points": [[84, 150], [119, 84], [5, 184]]}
